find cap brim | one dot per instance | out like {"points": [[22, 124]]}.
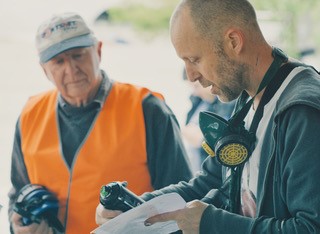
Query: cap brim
{"points": [[80, 41]]}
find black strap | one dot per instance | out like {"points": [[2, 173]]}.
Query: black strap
{"points": [[270, 90], [237, 120], [279, 58], [235, 188]]}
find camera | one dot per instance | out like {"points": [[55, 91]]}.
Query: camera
{"points": [[34, 203], [115, 196]]}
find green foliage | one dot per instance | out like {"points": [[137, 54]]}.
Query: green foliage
{"points": [[144, 18], [152, 18], [290, 13]]}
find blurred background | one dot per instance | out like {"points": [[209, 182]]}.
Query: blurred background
{"points": [[137, 49]]}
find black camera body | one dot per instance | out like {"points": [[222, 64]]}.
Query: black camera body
{"points": [[115, 196], [34, 203]]}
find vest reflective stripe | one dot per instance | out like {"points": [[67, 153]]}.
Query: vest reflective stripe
{"points": [[114, 150]]}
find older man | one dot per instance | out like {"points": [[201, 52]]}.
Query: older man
{"points": [[89, 131]]}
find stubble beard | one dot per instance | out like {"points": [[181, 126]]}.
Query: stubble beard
{"points": [[233, 74]]}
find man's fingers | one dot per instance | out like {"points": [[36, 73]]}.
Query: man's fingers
{"points": [[193, 203], [164, 217], [103, 215]]}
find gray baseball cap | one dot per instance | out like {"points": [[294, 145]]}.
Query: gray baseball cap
{"points": [[60, 33]]}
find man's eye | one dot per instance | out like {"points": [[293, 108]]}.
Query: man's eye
{"points": [[77, 56], [193, 60], [59, 61]]}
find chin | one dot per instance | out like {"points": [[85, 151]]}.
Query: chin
{"points": [[225, 99], [222, 98]]}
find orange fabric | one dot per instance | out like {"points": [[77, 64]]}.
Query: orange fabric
{"points": [[114, 150]]}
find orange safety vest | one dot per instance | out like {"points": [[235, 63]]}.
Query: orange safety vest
{"points": [[114, 150]]}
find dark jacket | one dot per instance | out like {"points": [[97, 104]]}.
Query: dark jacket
{"points": [[288, 194]]}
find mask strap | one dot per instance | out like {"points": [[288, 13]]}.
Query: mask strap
{"points": [[237, 119], [279, 58]]}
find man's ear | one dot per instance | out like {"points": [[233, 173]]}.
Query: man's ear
{"points": [[99, 47], [43, 69], [45, 72], [234, 39]]}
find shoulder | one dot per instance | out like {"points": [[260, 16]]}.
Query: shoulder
{"points": [[132, 89], [39, 100], [152, 104], [303, 89]]}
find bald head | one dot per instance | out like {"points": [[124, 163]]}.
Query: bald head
{"points": [[212, 18], [221, 44]]}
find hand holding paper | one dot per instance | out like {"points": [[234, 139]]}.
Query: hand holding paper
{"points": [[188, 219], [132, 221]]}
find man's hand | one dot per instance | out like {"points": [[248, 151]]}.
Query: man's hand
{"points": [[188, 219], [104, 215], [34, 228]]}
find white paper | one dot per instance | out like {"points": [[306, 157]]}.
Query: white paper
{"points": [[132, 221]]}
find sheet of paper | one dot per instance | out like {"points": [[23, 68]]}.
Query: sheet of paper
{"points": [[132, 221]]}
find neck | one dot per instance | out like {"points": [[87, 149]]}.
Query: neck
{"points": [[261, 61], [82, 101], [278, 58]]}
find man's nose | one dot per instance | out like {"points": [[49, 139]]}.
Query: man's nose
{"points": [[192, 74], [70, 66]]}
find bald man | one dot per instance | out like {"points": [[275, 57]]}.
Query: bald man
{"points": [[275, 189]]}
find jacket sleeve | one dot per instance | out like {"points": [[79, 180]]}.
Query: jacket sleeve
{"points": [[19, 175], [207, 180], [167, 158]]}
